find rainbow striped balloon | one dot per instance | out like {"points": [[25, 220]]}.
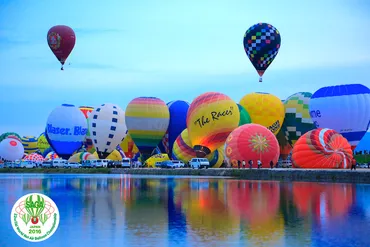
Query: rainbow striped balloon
{"points": [[183, 151], [147, 120]]}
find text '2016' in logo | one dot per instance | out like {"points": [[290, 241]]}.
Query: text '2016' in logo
{"points": [[35, 217]]}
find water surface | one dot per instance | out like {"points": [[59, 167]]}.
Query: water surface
{"points": [[128, 210]]}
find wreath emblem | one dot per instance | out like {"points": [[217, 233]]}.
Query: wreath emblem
{"points": [[54, 40]]}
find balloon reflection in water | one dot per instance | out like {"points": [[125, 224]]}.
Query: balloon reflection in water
{"points": [[328, 200]]}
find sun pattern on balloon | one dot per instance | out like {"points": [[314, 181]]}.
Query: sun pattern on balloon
{"points": [[259, 143]]}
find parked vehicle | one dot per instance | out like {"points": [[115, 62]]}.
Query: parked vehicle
{"points": [[114, 164], [102, 163], [47, 164], [73, 165], [126, 163], [58, 163], [8, 164], [27, 164], [199, 163], [158, 164], [95, 163], [178, 164]]}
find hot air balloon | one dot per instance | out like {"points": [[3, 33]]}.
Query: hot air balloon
{"points": [[128, 146], [343, 108], [147, 120], [322, 149], [11, 149], [61, 40], [284, 145], [244, 116], [297, 116], [178, 111], [30, 144], [88, 143], [108, 128], [210, 119], [265, 109], [183, 151], [66, 130], [252, 142], [10, 135], [42, 143], [262, 44]]}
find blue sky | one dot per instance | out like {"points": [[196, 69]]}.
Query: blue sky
{"points": [[171, 50]]}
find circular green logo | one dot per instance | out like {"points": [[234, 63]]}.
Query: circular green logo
{"points": [[35, 217]]}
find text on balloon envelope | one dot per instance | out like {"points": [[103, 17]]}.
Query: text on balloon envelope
{"points": [[213, 116], [77, 130]]}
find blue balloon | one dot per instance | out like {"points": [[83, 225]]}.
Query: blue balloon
{"points": [[178, 111], [343, 108], [66, 129]]}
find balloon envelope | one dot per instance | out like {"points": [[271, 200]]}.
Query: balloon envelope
{"points": [[42, 143], [66, 129], [61, 40], [297, 116], [262, 44], [265, 109], [178, 111], [343, 108], [108, 127], [244, 116], [10, 135], [210, 119], [147, 120], [88, 143], [11, 149], [322, 149], [30, 144], [252, 142]]}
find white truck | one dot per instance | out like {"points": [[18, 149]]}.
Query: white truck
{"points": [[199, 163]]}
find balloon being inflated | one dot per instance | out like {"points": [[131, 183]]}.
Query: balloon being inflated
{"points": [[343, 108], [88, 143], [210, 119], [147, 120], [265, 109], [66, 130], [108, 128], [11, 149]]}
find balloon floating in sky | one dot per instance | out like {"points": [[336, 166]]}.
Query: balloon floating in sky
{"points": [[322, 149], [262, 44], [147, 120], [30, 144], [66, 130], [108, 128], [61, 40], [11, 149], [265, 109], [297, 116], [252, 142], [343, 108], [210, 119]]}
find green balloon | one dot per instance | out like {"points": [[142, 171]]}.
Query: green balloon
{"points": [[244, 116]]}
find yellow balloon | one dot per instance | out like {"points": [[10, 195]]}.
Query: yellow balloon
{"points": [[156, 158], [265, 109], [115, 156], [211, 118]]}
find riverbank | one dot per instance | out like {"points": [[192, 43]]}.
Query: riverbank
{"points": [[280, 174]]}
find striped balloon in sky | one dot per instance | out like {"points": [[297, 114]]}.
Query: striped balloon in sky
{"points": [[147, 120], [297, 116], [211, 118], [343, 108]]}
